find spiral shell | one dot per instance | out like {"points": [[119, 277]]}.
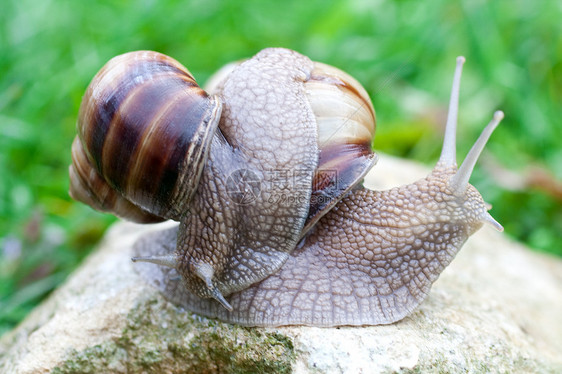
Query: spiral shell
{"points": [[345, 119], [144, 131]]}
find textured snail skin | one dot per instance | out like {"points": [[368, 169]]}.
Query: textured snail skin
{"points": [[244, 243], [370, 260]]}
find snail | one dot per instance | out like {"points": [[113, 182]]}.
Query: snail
{"points": [[263, 170]]}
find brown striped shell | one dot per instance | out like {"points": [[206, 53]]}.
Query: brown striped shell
{"points": [[144, 130], [345, 118]]}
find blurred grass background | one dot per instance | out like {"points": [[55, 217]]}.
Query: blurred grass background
{"points": [[402, 51]]}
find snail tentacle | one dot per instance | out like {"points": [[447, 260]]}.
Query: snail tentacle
{"points": [[449, 151], [460, 181], [206, 272], [168, 260]]}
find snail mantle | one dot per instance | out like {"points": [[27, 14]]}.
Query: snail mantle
{"points": [[496, 308]]}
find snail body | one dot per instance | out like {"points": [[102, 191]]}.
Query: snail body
{"points": [[275, 227]]}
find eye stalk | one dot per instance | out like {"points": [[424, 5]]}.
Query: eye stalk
{"points": [[448, 153], [459, 181]]}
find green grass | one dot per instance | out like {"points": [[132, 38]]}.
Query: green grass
{"points": [[402, 51]]}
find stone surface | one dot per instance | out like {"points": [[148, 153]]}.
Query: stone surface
{"points": [[496, 308]]}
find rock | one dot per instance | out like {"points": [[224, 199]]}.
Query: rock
{"points": [[496, 308]]}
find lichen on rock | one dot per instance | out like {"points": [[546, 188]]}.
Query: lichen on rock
{"points": [[160, 338]]}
